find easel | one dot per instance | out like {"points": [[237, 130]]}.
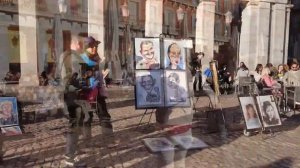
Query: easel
{"points": [[147, 111], [215, 94]]}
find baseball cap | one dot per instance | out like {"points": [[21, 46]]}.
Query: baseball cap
{"points": [[90, 42]]}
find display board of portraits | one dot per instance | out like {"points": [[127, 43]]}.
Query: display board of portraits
{"points": [[260, 111], [9, 119], [160, 72]]}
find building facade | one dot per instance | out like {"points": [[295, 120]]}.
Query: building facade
{"points": [[41, 36]]}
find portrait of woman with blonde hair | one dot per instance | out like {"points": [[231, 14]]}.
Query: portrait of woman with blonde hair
{"points": [[8, 114]]}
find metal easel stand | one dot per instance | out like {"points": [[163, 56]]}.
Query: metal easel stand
{"points": [[147, 111]]}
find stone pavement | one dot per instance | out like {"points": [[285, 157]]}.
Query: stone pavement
{"points": [[43, 143]]}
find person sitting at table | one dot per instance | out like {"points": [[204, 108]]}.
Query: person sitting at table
{"points": [[269, 82], [281, 71], [292, 77]]}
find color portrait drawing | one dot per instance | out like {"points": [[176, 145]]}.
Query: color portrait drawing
{"points": [[174, 55], [252, 120], [147, 59], [8, 115]]}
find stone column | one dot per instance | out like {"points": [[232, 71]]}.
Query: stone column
{"points": [[264, 33], [205, 31], [4, 46], [277, 34], [287, 32], [42, 44], [28, 45], [96, 25]]}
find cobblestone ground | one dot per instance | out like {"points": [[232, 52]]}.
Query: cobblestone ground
{"points": [[43, 143]]}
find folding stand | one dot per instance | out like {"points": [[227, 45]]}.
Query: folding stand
{"points": [[145, 113]]}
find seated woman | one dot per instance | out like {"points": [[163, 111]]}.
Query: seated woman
{"points": [[257, 73], [242, 71], [269, 82], [282, 69]]}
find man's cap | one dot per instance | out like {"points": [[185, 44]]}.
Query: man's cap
{"points": [[90, 41]]}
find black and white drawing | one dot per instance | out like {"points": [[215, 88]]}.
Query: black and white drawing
{"points": [[149, 92], [269, 111], [189, 142], [159, 144], [176, 90]]}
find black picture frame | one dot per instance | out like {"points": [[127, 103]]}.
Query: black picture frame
{"points": [[149, 96], [176, 89]]}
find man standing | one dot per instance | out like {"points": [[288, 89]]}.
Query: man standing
{"points": [[79, 119], [196, 71], [148, 60], [91, 59]]}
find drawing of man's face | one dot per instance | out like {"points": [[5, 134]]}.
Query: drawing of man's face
{"points": [[174, 54], [173, 80], [147, 82], [147, 50]]}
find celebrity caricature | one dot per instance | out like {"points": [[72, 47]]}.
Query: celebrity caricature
{"points": [[174, 55], [147, 60], [175, 92], [152, 92]]}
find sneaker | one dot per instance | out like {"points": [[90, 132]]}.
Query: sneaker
{"points": [[74, 163], [70, 158]]}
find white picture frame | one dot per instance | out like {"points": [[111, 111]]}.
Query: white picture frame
{"points": [[144, 49], [268, 111], [250, 112], [172, 59]]}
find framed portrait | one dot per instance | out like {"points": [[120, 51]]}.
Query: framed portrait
{"points": [[11, 131], [176, 89], [147, 53], [159, 144], [8, 111], [268, 111], [148, 89], [250, 112], [174, 55]]}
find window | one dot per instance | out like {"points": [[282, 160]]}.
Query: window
{"points": [[84, 6], [133, 11], [169, 18]]}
